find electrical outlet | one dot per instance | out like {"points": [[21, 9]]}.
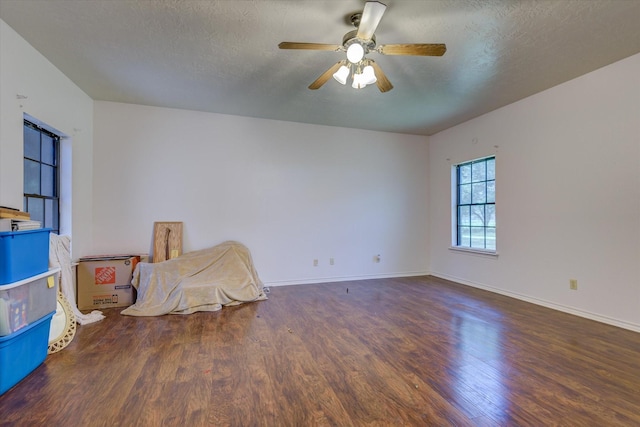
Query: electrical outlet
{"points": [[376, 258], [315, 262], [573, 284], [330, 261]]}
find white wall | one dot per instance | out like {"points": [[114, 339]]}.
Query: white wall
{"points": [[291, 192], [53, 99], [568, 196]]}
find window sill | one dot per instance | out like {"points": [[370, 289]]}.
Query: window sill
{"points": [[475, 251]]}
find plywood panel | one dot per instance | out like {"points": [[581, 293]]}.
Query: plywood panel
{"points": [[167, 240]]}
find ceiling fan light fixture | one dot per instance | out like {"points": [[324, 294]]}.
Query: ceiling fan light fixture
{"points": [[368, 75], [342, 74], [358, 81], [355, 53], [360, 42]]}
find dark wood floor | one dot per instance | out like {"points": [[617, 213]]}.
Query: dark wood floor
{"points": [[408, 351]]}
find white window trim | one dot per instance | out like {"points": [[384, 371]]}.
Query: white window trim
{"points": [[476, 251], [454, 217]]}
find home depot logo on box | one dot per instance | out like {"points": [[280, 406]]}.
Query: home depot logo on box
{"points": [[105, 275]]}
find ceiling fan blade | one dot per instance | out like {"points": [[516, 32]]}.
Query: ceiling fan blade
{"points": [[326, 75], [310, 46], [421, 49], [382, 81], [371, 16]]}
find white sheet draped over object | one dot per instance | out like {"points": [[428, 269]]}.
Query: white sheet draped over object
{"points": [[204, 280], [60, 256]]}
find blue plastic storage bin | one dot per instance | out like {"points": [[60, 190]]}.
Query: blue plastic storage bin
{"points": [[23, 351], [23, 254]]}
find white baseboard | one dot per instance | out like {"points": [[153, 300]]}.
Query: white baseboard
{"points": [[344, 278], [566, 309]]}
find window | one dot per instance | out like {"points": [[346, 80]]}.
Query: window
{"points": [[476, 204], [41, 190]]}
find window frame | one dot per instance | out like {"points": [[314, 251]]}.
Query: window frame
{"points": [[456, 185], [42, 164]]}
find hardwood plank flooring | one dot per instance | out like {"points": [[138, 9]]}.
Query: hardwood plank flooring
{"points": [[384, 352]]}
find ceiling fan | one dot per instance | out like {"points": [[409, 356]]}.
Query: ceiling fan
{"points": [[357, 44]]}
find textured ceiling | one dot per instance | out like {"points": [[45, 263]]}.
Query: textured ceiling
{"points": [[223, 56]]}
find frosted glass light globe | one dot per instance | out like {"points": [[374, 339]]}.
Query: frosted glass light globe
{"points": [[355, 53], [342, 74], [368, 76]]}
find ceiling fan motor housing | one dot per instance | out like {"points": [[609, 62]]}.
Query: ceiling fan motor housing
{"points": [[351, 38]]}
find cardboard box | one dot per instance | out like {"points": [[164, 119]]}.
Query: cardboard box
{"points": [[105, 282]]}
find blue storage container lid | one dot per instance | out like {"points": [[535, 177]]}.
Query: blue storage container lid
{"points": [[23, 254], [4, 341], [22, 232]]}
